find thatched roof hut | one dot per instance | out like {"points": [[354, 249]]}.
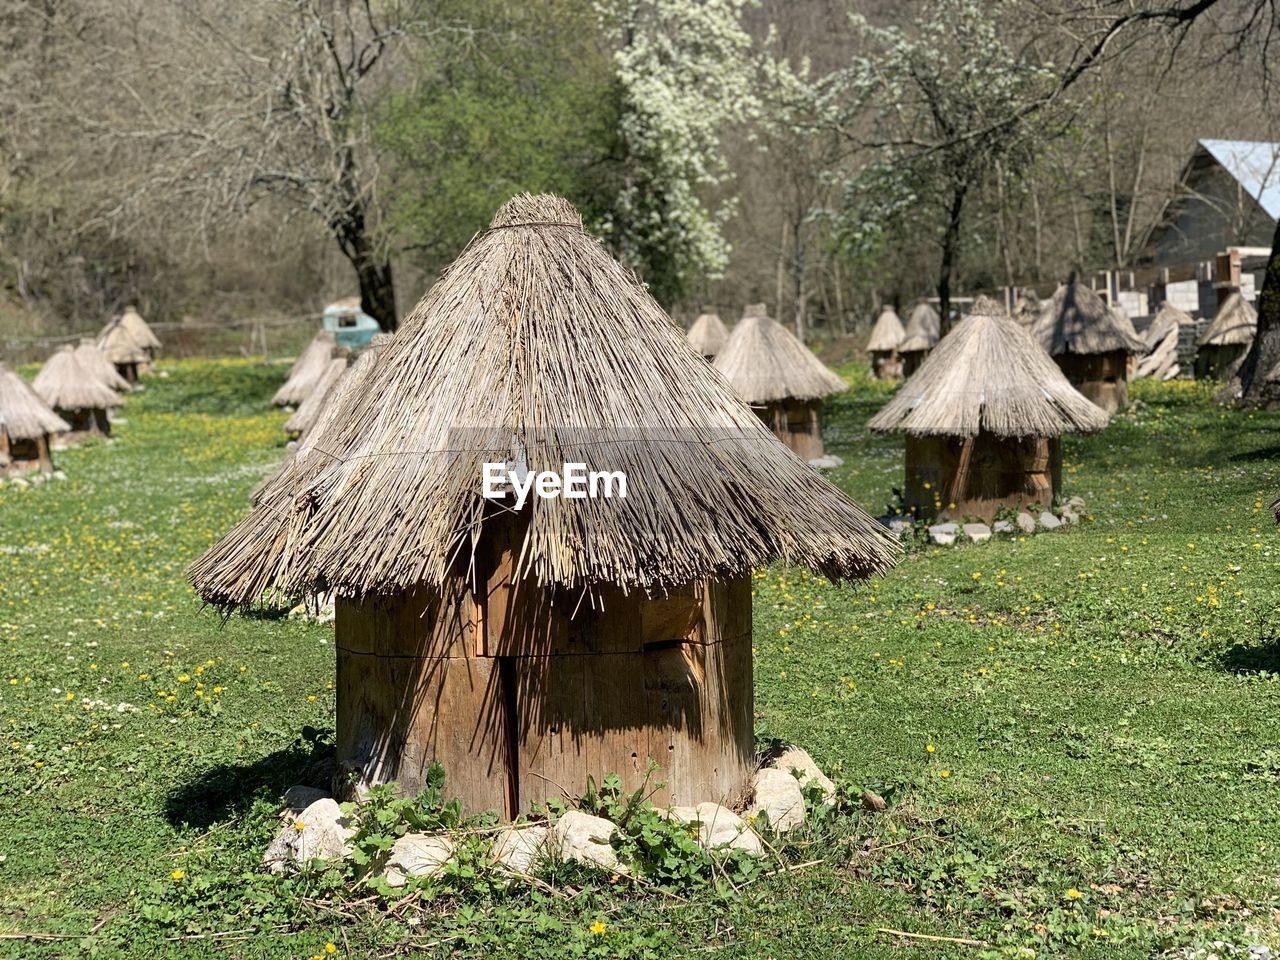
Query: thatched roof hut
{"points": [[124, 353], [140, 331], [778, 375], [76, 395], [306, 371], [26, 426], [468, 627], [96, 362], [923, 330], [982, 416], [1088, 341], [1160, 359], [320, 395], [886, 336], [708, 334], [1224, 343]]}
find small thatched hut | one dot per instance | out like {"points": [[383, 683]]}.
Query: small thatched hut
{"points": [[708, 334], [141, 332], [96, 362], [123, 352], [76, 395], [781, 378], [321, 393], [1224, 343], [923, 330], [527, 646], [1089, 343], [982, 416], [886, 337], [26, 427], [1160, 359], [306, 371]]}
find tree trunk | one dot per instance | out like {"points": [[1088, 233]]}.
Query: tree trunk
{"points": [[950, 248], [1254, 389], [373, 269]]}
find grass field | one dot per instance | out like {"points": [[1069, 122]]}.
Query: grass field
{"points": [[1077, 731]]}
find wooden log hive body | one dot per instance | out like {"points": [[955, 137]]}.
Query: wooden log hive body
{"points": [[128, 370], [797, 423], [1216, 361], [522, 693], [1103, 378], [886, 365], [980, 475], [911, 361], [85, 423], [26, 456]]}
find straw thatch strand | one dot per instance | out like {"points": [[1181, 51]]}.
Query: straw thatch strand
{"points": [[537, 348], [887, 333], [708, 334], [96, 362], [765, 362], [987, 374], [321, 394], [65, 384], [306, 371], [23, 414], [1234, 324], [1078, 321]]}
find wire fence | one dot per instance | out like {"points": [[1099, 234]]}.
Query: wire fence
{"points": [[255, 336]]}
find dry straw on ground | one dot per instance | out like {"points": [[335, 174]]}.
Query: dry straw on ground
{"points": [[987, 374], [23, 414], [537, 347], [765, 362]]}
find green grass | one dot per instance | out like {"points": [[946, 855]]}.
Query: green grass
{"points": [[1102, 700]]}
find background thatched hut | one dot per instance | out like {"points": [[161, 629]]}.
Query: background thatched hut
{"points": [[780, 377], [124, 353], [982, 416], [923, 330], [708, 334], [26, 427], [76, 395], [96, 362], [141, 333], [320, 394], [1160, 359], [530, 648], [1224, 343], [1089, 343], [306, 371], [1027, 309], [886, 336]]}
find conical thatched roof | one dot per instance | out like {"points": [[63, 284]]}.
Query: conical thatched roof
{"points": [[988, 374], [138, 328], [1079, 321], [1235, 323], [765, 362], [118, 346], [1167, 319], [96, 362], [306, 371], [23, 415], [708, 334], [65, 384], [288, 475], [888, 331], [923, 329], [310, 409], [537, 348]]}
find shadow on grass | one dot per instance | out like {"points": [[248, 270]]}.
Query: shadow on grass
{"points": [[1251, 456], [1254, 656], [227, 790]]}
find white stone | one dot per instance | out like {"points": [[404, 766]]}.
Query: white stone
{"points": [[943, 534], [1003, 526], [1069, 515], [1049, 522], [416, 855], [794, 758], [777, 794], [59, 475], [519, 849], [719, 827], [298, 797], [584, 838], [977, 532], [1076, 503], [320, 832], [1025, 521], [826, 463], [19, 482]]}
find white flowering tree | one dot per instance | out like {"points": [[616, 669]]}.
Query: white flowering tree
{"points": [[684, 72]]}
